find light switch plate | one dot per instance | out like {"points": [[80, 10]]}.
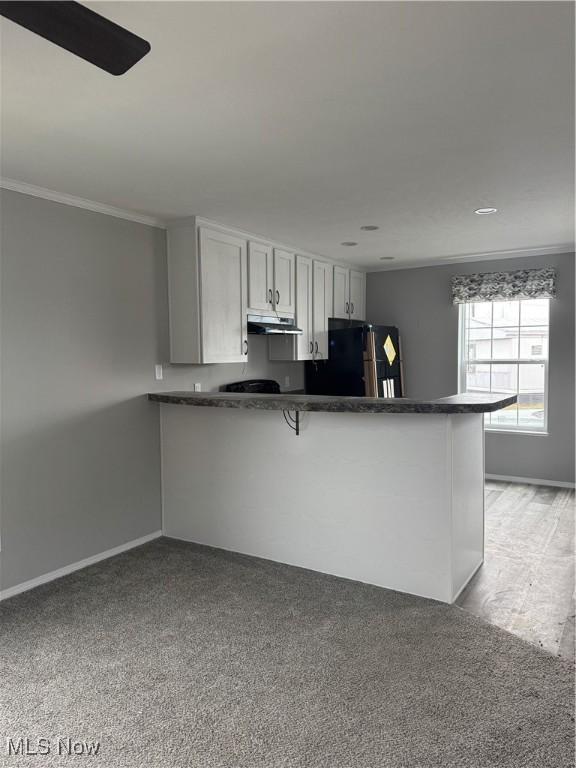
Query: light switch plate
{"points": [[158, 372], [198, 387]]}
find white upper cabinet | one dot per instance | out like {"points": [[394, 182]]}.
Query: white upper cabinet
{"points": [[223, 277], [301, 346], [207, 288], [341, 292], [357, 295], [271, 279], [322, 300], [260, 277], [304, 302], [216, 276], [284, 282], [349, 294]]}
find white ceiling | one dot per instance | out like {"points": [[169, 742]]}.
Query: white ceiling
{"points": [[304, 121]]}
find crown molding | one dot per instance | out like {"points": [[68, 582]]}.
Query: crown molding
{"points": [[445, 261], [202, 221], [151, 221], [80, 202]]}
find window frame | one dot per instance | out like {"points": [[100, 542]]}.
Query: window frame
{"points": [[463, 361]]}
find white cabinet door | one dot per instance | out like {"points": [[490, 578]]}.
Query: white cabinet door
{"points": [[323, 285], [305, 342], [341, 292], [260, 277], [223, 297], [284, 283], [301, 346], [357, 295]]}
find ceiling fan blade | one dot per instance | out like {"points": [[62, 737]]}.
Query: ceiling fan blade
{"points": [[80, 31]]}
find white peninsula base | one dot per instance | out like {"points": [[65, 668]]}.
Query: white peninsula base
{"points": [[395, 500]]}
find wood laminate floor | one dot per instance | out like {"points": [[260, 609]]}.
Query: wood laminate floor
{"points": [[526, 584]]}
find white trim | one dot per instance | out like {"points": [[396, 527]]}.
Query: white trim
{"points": [[80, 202], [490, 430], [473, 573], [152, 221], [461, 383], [59, 572], [201, 221], [544, 250], [529, 481], [463, 362], [513, 253]]}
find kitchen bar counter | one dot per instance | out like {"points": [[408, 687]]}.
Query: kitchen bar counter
{"points": [[395, 500], [467, 403]]}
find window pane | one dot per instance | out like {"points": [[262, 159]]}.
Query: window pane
{"points": [[508, 331], [479, 343], [504, 379], [478, 378], [506, 313], [534, 343], [479, 314], [531, 378], [534, 311], [531, 399], [507, 417], [505, 343]]}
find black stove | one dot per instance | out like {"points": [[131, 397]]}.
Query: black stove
{"points": [[253, 386]]}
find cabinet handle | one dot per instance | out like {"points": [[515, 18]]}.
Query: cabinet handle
{"points": [[277, 297], [351, 308], [347, 308], [316, 350], [311, 347], [245, 346], [269, 295]]}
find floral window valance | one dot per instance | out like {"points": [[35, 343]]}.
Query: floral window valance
{"points": [[504, 286]]}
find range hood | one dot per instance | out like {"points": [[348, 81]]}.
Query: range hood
{"points": [[268, 325]]}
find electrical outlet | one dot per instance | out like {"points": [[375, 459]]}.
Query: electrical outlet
{"points": [[158, 372], [198, 387], [286, 381]]}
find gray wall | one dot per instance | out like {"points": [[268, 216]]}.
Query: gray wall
{"points": [[211, 377], [83, 322], [418, 301]]}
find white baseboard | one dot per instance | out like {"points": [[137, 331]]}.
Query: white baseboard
{"points": [[530, 481], [473, 573], [46, 577]]}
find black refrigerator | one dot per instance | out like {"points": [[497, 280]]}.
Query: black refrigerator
{"points": [[364, 361]]}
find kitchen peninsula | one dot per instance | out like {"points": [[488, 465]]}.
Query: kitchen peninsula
{"points": [[384, 491]]}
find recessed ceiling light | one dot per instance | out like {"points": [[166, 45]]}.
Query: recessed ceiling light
{"points": [[387, 258], [485, 211], [369, 228], [349, 243]]}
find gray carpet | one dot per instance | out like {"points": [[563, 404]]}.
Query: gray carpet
{"points": [[175, 655]]}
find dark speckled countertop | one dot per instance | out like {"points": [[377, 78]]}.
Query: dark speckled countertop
{"points": [[291, 402]]}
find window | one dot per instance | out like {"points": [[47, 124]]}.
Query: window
{"points": [[504, 350]]}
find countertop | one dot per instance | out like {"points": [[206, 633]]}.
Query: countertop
{"points": [[465, 403]]}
